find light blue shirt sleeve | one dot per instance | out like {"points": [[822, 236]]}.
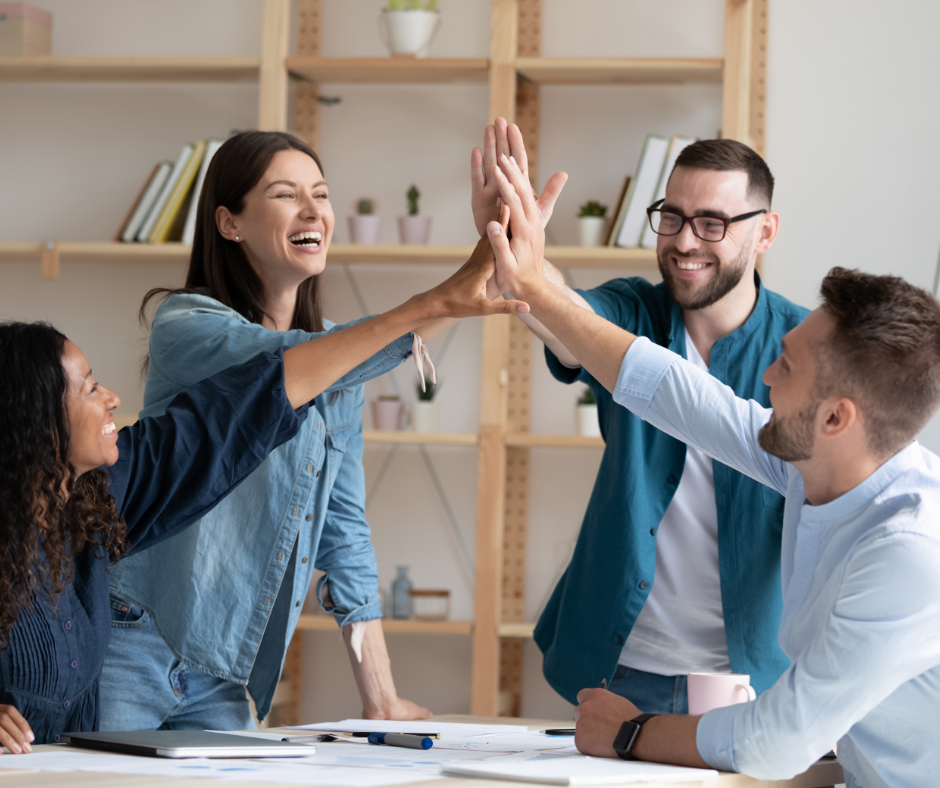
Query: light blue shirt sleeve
{"points": [[675, 396]]}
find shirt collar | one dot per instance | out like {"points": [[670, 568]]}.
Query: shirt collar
{"points": [[755, 319]]}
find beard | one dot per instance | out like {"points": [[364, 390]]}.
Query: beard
{"points": [[685, 292], [790, 438]]}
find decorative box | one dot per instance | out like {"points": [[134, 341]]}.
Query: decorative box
{"points": [[24, 30]]}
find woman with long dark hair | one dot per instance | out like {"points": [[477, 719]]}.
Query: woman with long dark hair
{"points": [[76, 494], [208, 613]]}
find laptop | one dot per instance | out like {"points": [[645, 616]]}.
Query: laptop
{"points": [[187, 744]]}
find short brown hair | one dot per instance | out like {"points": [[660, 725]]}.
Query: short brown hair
{"points": [[728, 156], [884, 353]]}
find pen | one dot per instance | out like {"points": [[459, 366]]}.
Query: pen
{"points": [[560, 732], [303, 739], [412, 740]]}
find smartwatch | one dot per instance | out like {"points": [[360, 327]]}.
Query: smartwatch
{"points": [[629, 733]]}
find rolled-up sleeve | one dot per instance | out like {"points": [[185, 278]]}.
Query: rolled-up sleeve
{"points": [[345, 553]]}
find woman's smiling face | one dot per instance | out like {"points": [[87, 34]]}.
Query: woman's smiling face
{"points": [[287, 222], [92, 434]]}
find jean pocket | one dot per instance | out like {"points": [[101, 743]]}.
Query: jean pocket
{"points": [[125, 615]]}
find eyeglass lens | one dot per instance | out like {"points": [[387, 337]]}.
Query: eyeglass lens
{"points": [[706, 227]]}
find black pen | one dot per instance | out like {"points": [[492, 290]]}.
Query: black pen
{"points": [[568, 731]]}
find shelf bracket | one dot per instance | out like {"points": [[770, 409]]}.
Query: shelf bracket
{"points": [[49, 260]]}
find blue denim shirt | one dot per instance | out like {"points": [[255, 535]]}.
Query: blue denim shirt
{"points": [[211, 591], [595, 604], [861, 597], [170, 471]]}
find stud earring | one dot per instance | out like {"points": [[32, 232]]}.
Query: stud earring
{"points": [[236, 237]]}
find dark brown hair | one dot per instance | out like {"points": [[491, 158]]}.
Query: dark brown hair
{"points": [[219, 266], [41, 530], [884, 354], [728, 156]]}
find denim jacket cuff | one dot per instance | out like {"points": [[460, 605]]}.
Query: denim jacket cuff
{"points": [[400, 349], [366, 612]]}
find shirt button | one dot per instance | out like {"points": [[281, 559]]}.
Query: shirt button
{"points": [[618, 640], [644, 585], [309, 517], [74, 664], [303, 560], [652, 532], [125, 608], [672, 480], [297, 604], [317, 474], [68, 625], [56, 738], [67, 704]]}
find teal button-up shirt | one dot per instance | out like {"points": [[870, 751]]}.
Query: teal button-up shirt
{"points": [[595, 604]]}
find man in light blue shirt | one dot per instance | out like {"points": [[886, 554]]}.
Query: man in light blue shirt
{"points": [[856, 381]]}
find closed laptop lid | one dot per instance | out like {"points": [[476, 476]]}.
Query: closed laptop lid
{"points": [[187, 744]]}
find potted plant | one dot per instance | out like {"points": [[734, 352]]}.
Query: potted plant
{"points": [[586, 415], [408, 26], [424, 411], [591, 218], [386, 413], [364, 227], [414, 229]]}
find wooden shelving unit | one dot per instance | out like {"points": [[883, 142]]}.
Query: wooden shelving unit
{"points": [[514, 72]]}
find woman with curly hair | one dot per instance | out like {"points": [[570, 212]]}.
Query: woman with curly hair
{"points": [[75, 493]]}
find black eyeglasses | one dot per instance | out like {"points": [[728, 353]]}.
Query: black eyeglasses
{"points": [[708, 228]]}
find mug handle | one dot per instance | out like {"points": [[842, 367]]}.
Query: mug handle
{"points": [[748, 690]]}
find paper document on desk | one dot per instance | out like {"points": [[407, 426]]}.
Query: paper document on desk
{"points": [[563, 769], [417, 726], [376, 757], [508, 742]]}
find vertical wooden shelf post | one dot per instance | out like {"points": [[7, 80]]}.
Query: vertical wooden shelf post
{"points": [[745, 70], [273, 78], [494, 377]]}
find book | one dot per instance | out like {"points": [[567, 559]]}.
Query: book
{"points": [[676, 145], [144, 233], [132, 210], [189, 229], [564, 768], [641, 190], [608, 236], [142, 209], [163, 229]]}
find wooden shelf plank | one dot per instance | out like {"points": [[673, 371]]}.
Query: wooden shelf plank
{"points": [[619, 70], [525, 439], [327, 624], [382, 254], [420, 438], [388, 69], [521, 630], [129, 69]]}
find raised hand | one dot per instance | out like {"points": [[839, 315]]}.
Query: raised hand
{"points": [[519, 261], [465, 293], [502, 138]]}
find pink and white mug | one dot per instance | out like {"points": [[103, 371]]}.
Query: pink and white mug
{"points": [[709, 691]]}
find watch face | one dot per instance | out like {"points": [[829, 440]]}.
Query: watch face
{"points": [[623, 744]]}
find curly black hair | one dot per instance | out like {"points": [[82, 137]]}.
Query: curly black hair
{"points": [[47, 514]]}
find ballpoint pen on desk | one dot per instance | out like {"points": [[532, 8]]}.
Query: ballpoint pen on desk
{"points": [[568, 731], [413, 740]]}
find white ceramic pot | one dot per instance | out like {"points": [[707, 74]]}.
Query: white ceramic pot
{"points": [[365, 228], [408, 33], [587, 422], [414, 229], [424, 416], [386, 414], [592, 230]]}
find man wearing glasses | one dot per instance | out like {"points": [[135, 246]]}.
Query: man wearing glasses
{"points": [[677, 566]]}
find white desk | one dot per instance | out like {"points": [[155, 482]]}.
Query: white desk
{"points": [[821, 774]]}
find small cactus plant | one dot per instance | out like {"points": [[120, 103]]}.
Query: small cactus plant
{"points": [[365, 207], [413, 195]]}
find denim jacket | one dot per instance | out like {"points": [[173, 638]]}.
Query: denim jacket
{"points": [[211, 589]]}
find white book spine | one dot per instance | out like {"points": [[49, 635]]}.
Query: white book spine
{"points": [[144, 234], [647, 177], [676, 145], [146, 202], [189, 229]]}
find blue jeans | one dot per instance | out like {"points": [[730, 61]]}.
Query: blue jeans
{"points": [[650, 692], [145, 687]]}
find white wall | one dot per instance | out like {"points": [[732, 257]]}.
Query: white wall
{"points": [[850, 124]]}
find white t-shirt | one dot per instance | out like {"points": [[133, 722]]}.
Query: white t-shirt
{"points": [[681, 628]]}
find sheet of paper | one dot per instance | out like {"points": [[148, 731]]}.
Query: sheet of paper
{"points": [[379, 757], [420, 726], [563, 769], [508, 742]]}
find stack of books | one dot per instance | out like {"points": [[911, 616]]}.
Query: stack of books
{"points": [[629, 226], [165, 208]]}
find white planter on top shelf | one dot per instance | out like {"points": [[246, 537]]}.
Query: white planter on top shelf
{"points": [[586, 421], [424, 416], [414, 229], [592, 230], [409, 32]]}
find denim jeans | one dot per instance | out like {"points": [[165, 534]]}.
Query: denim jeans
{"points": [[145, 687], [650, 692]]}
